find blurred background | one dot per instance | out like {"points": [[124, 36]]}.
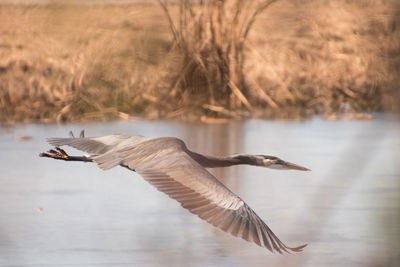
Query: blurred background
{"points": [[101, 60], [313, 82]]}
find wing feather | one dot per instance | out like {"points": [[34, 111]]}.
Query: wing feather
{"points": [[97, 145], [239, 220]]}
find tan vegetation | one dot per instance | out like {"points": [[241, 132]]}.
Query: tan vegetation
{"points": [[63, 62]]}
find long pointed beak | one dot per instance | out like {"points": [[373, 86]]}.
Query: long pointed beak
{"points": [[292, 166], [284, 165]]}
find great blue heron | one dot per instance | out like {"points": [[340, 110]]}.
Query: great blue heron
{"points": [[173, 169]]}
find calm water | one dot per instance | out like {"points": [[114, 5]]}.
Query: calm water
{"points": [[56, 213]]}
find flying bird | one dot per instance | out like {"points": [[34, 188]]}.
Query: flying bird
{"points": [[172, 168]]}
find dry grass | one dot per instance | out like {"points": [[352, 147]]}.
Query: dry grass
{"points": [[325, 54], [101, 61], [77, 62], [210, 40]]}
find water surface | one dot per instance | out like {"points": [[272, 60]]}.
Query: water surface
{"points": [[56, 213]]}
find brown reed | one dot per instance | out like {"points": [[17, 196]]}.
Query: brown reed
{"points": [[79, 62]]}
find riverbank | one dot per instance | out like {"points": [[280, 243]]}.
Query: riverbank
{"points": [[70, 62]]}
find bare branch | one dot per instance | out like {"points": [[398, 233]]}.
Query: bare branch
{"points": [[253, 17], [175, 33]]}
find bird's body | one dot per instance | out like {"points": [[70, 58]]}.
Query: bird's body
{"points": [[172, 168]]}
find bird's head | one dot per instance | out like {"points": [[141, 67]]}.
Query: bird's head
{"points": [[277, 163]]}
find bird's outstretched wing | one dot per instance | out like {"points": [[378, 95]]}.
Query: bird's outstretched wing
{"points": [[164, 163], [97, 145]]}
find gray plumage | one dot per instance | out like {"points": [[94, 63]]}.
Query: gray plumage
{"points": [[172, 168]]}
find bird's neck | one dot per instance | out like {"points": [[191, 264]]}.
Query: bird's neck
{"points": [[215, 162]]}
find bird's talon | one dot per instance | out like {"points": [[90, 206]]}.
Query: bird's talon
{"points": [[62, 151], [55, 154]]}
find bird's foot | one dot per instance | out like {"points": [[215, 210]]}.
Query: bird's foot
{"points": [[58, 153]]}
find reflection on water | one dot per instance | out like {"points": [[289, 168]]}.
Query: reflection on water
{"points": [[346, 209]]}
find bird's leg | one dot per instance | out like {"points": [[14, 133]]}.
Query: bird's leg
{"points": [[60, 154], [55, 154]]}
